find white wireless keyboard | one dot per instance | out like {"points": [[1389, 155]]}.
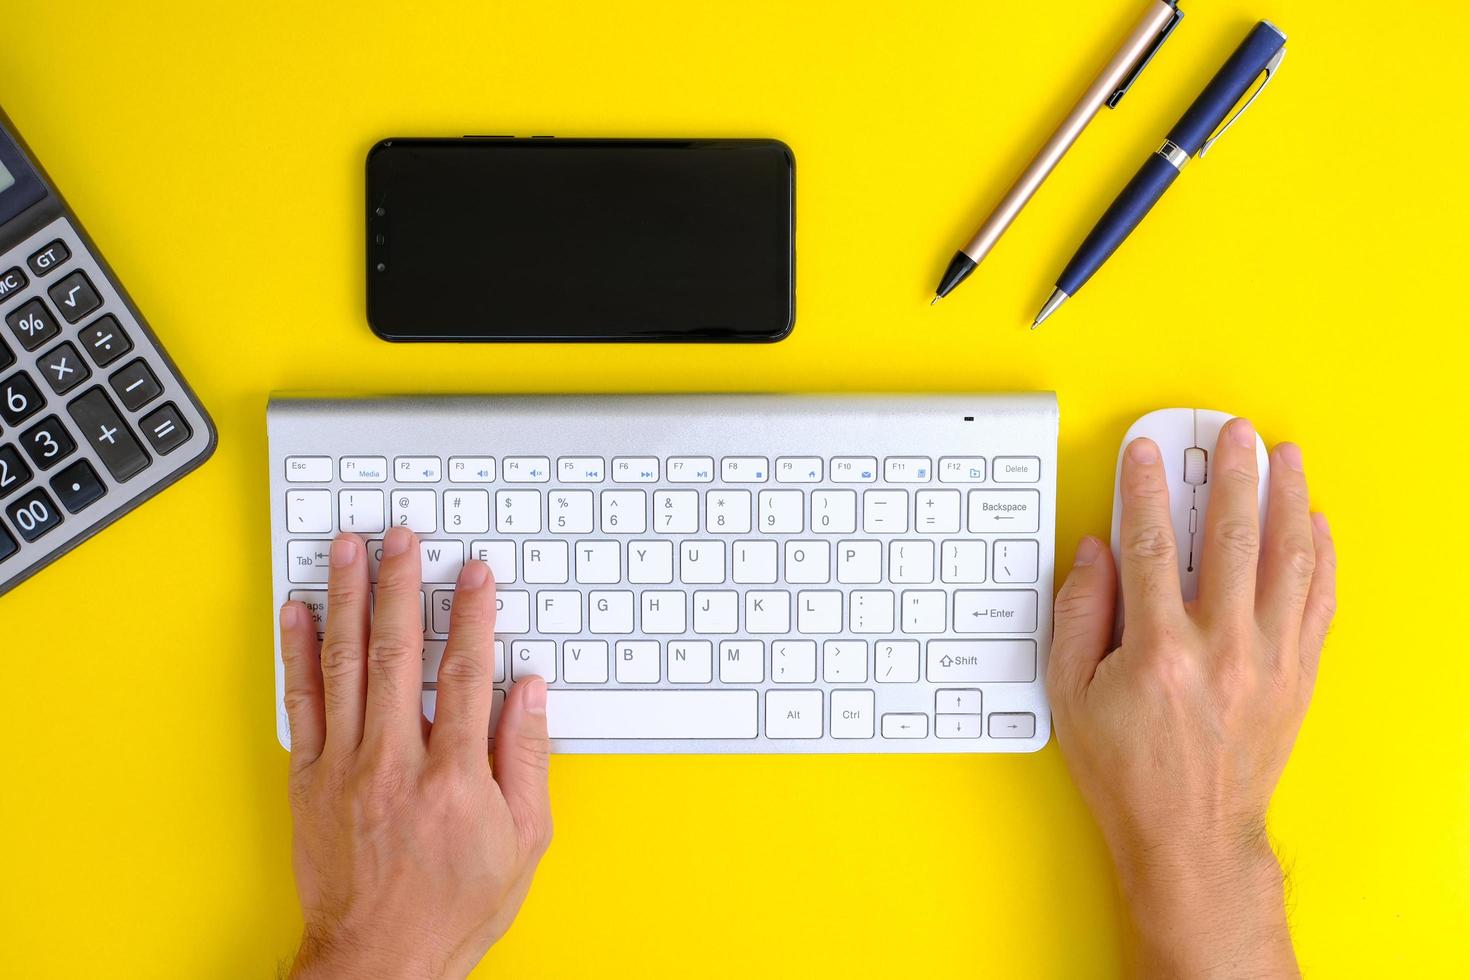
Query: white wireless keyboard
{"points": [[710, 573]]}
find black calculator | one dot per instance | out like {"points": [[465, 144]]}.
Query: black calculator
{"points": [[94, 417]]}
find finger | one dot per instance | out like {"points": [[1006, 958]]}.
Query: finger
{"points": [[1227, 573], [1083, 630], [1150, 571], [303, 684], [1321, 599], [396, 648], [344, 643], [522, 755], [1288, 552], [462, 711]]}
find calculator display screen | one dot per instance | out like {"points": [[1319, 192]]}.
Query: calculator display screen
{"points": [[20, 185], [6, 177]]}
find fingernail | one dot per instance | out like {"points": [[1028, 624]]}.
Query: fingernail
{"points": [[290, 616], [344, 550], [536, 696], [1087, 551], [1290, 454], [397, 541], [1241, 433], [1143, 451], [473, 575]]}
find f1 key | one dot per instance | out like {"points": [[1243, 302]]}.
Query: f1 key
{"points": [[108, 434]]}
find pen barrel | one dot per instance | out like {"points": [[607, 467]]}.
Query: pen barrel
{"points": [[1229, 85], [1118, 222]]}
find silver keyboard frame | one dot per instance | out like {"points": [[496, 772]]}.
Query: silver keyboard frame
{"points": [[1023, 424]]}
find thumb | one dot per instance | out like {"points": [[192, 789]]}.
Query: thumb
{"points": [[1083, 631], [522, 754]]}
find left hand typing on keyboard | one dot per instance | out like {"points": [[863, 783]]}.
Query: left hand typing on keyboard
{"points": [[411, 857]]}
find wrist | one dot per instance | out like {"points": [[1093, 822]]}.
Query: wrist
{"points": [[325, 956]]}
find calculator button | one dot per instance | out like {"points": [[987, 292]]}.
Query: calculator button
{"points": [[47, 442], [7, 356], [8, 546], [74, 296], [19, 399], [63, 368], [32, 324], [78, 486], [11, 282], [108, 434], [105, 341], [135, 385], [166, 430], [34, 514], [14, 473], [47, 259]]}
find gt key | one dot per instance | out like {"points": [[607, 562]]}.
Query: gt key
{"points": [[108, 434]]}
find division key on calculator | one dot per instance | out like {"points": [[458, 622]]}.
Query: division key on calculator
{"points": [[94, 417]]}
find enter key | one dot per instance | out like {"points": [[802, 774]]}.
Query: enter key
{"points": [[995, 611]]}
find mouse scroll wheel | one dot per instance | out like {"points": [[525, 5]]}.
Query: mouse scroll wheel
{"points": [[1196, 466]]}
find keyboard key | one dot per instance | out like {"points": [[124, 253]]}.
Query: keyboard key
{"points": [[558, 612], [727, 511], [308, 469], [624, 511], [793, 714], [962, 469], [63, 368], [635, 469], [533, 658], [165, 429], [896, 661], [702, 562], [652, 714], [1011, 511], [745, 469], [662, 612], [818, 612], [1018, 724], [518, 511], [363, 469], [416, 469], [911, 562], [1015, 469], [923, 611], [845, 662], [471, 469], [691, 469], [980, 661], [500, 556], [105, 341], [799, 469], [47, 442], [937, 512], [467, 511], [742, 661], [852, 714], [315, 601], [440, 560], [691, 662], [957, 701], [907, 469], [441, 607], [859, 562], [14, 471], [599, 562], [651, 562], [308, 561], [905, 726], [309, 511], [854, 469], [754, 563], [676, 511], [416, 510], [569, 511], [13, 281], [1016, 561], [808, 562], [108, 435], [584, 661], [547, 563], [47, 259], [610, 612], [871, 611], [957, 726], [636, 662], [19, 399], [580, 469], [513, 612], [32, 324], [834, 511], [995, 611], [75, 296], [794, 662], [782, 511], [716, 613], [885, 512], [361, 511], [34, 514], [527, 469], [962, 562]]}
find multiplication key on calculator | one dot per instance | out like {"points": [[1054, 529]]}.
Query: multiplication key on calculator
{"points": [[94, 417]]}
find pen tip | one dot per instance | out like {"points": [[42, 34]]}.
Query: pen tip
{"points": [[934, 300], [1056, 299]]}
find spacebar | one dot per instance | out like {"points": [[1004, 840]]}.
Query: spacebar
{"points": [[651, 714]]}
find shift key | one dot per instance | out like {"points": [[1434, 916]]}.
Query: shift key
{"points": [[108, 434], [981, 661]]}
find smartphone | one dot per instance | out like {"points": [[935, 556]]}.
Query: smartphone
{"points": [[550, 239]]}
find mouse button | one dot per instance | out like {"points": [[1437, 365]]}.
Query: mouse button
{"points": [[1196, 466]]}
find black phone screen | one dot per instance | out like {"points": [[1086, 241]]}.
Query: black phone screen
{"points": [[580, 239]]}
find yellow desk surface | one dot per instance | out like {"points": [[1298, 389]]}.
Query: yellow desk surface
{"points": [[1308, 273]]}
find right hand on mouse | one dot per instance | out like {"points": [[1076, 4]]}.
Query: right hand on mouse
{"points": [[1177, 738], [411, 857]]}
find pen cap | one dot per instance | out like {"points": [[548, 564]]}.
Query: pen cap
{"points": [[1231, 82]]}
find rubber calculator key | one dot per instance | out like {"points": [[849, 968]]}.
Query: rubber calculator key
{"points": [[63, 368], [108, 435], [19, 399], [8, 546], [106, 341], [47, 259], [34, 514], [12, 281], [32, 324], [78, 486], [14, 471], [135, 385], [74, 296], [47, 442], [165, 429]]}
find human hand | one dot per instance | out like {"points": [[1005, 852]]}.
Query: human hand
{"points": [[1177, 738], [411, 857]]}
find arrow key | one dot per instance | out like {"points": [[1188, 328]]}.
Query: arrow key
{"points": [[1015, 724]]}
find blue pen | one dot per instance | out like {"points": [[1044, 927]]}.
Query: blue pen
{"points": [[1261, 51]]}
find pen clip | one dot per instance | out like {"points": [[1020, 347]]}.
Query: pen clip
{"points": [[1271, 68], [1143, 61]]}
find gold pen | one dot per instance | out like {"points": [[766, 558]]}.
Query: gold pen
{"points": [[1107, 89]]}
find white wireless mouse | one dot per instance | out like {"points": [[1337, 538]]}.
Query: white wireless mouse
{"points": [[1186, 440]]}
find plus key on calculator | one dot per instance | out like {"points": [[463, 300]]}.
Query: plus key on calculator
{"points": [[94, 417]]}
